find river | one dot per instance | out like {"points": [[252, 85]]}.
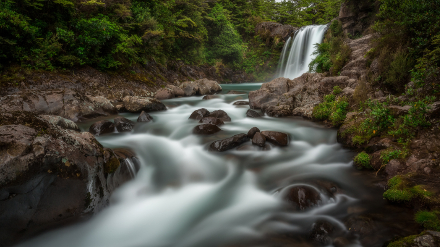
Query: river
{"points": [[187, 196]]}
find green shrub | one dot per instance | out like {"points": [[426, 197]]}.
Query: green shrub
{"points": [[336, 28], [363, 160], [322, 62], [388, 155], [400, 190], [333, 108], [429, 220]]}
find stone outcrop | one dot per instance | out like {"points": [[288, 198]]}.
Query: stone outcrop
{"points": [[200, 87], [169, 92], [137, 104], [69, 104], [357, 16], [49, 175], [275, 30]]}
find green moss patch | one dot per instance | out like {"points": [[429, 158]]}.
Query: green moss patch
{"points": [[429, 220], [401, 189], [363, 160]]}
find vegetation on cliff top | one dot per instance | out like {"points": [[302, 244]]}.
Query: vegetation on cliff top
{"points": [[112, 34]]}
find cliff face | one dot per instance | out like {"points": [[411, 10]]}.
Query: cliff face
{"points": [[357, 16]]}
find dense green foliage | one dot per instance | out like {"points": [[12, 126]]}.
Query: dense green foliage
{"points": [[334, 108], [429, 220], [115, 34], [401, 190], [363, 160], [409, 45], [333, 53]]}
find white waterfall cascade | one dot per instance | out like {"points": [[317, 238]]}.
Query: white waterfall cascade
{"points": [[297, 52]]}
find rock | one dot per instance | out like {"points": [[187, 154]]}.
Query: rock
{"points": [[252, 114], [348, 91], [340, 242], [62, 122], [164, 93], [259, 139], [235, 92], [49, 176], [220, 114], [277, 138], [102, 127], [228, 143], [122, 124], [393, 168], [425, 241], [321, 232], [137, 104], [302, 197], [241, 103], [356, 17], [199, 114], [275, 30], [144, 117], [128, 167], [208, 97], [211, 120], [206, 129], [200, 87], [379, 145], [252, 132], [434, 109], [399, 110]]}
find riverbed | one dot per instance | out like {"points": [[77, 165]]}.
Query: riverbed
{"points": [[187, 196]]}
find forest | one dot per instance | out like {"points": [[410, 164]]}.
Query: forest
{"points": [[116, 34]]}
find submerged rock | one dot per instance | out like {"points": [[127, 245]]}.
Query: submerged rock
{"points": [[228, 143], [220, 114], [199, 114], [208, 97], [102, 127], [241, 103], [211, 120], [137, 104], [122, 124], [277, 138], [259, 140], [144, 117], [302, 197], [252, 114], [206, 129], [252, 132]]}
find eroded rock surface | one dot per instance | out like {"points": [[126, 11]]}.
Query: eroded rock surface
{"points": [[228, 143]]}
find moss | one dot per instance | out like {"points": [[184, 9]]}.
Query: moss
{"points": [[402, 190], [363, 160], [407, 241], [429, 220], [111, 165]]}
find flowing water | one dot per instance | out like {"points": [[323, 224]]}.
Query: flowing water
{"points": [[297, 52], [187, 196]]}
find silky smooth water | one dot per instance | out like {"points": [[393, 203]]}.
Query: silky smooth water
{"points": [[186, 196], [297, 52]]}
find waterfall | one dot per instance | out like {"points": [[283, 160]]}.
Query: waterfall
{"points": [[297, 55]]}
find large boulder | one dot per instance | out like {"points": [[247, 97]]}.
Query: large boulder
{"points": [[220, 114], [302, 197], [169, 92], [144, 117], [102, 127], [206, 129], [200, 87], [62, 122], [277, 138], [252, 132], [211, 120], [259, 139], [228, 143], [252, 114], [122, 124], [137, 104], [199, 114], [49, 175], [69, 104]]}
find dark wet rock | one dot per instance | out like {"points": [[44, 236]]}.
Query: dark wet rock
{"points": [[362, 225], [211, 120], [259, 140], [122, 124], [425, 241], [241, 103], [379, 145], [199, 114], [252, 132], [144, 117], [235, 92], [128, 167], [200, 87], [206, 129], [228, 143], [302, 197], [275, 30], [137, 104], [397, 111], [62, 122], [321, 232], [393, 168], [208, 97], [434, 110], [102, 127], [45, 175], [220, 114], [341, 242], [277, 138], [252, 114]]}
